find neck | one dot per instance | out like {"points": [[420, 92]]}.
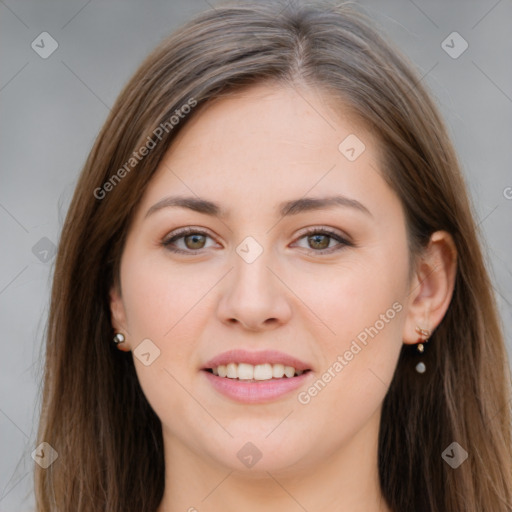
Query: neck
{"points": [[347, 480]]}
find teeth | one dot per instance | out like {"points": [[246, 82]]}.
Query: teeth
{"points": [[289, 371], [263, 372], [231, 371], [244, 371], [277, 371]]}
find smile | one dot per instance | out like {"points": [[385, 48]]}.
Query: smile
{"points": [[250, 377]]}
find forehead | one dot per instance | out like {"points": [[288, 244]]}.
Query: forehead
{"points": [[271, 120], [269, 142]]}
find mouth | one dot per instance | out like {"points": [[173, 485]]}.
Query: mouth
{"points": [[255, 377]]}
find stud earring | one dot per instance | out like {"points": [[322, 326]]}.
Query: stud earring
{"points": [[420, 367], [118, 338], [422, 332]]}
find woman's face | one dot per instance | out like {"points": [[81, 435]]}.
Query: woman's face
{"points": [[250, 285]]}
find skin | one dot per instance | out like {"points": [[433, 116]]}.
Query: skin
{"points": [[240, 154]]}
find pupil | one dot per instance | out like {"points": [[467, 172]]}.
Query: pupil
{"points": [[194, 241], [322, 245]]}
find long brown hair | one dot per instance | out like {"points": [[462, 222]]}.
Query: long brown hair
{"points": [[94, 412]]}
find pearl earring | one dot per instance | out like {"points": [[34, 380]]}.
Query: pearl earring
{"points": [[118, 338]]}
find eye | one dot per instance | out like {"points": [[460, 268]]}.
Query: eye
{"points": [[319, 240], [193, 240]]}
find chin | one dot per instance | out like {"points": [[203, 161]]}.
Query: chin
{"points": [[255, 456]]}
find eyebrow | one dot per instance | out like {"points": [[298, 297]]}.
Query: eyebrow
{"points": [[292, 207]]}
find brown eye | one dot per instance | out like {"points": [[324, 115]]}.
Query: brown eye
{"points": [[319, 241], [195, 241], [187, 241]]}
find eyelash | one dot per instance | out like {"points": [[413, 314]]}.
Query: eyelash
{"points": [[182, 233]]}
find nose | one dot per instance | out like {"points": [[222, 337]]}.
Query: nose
{"points": [[254, 297]]}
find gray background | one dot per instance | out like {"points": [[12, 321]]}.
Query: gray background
{"points": [[51, 110]]}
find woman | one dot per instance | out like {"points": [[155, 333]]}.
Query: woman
{"points": [[269, 292]]}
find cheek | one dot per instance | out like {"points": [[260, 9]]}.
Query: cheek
{"points": [[359, 298], [161, 299], [371, 292], [163, 304], [358, 366], [362, 302]]}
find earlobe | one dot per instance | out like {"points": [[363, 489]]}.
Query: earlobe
{"points": [[432, 288], [118, 319]]}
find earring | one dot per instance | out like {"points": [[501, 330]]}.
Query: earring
{"points": [[118, 338], [422, 332], [420, 367]]}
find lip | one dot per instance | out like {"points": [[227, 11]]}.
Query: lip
{"points": [[255, 392], [254, 358], [261, 391]]}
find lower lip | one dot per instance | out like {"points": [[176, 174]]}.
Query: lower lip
{"points": [[255, 392]]}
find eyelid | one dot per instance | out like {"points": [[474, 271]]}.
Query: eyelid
{"points": [[323, 229]]}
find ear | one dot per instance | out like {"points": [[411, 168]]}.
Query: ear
{"points": [[118, 316], [432, 287]]}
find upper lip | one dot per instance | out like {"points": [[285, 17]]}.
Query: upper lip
{"points": [[254, 358]]}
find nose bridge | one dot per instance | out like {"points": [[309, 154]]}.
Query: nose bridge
{"points": [[251, 277], [254, 276], [253, 295]]}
